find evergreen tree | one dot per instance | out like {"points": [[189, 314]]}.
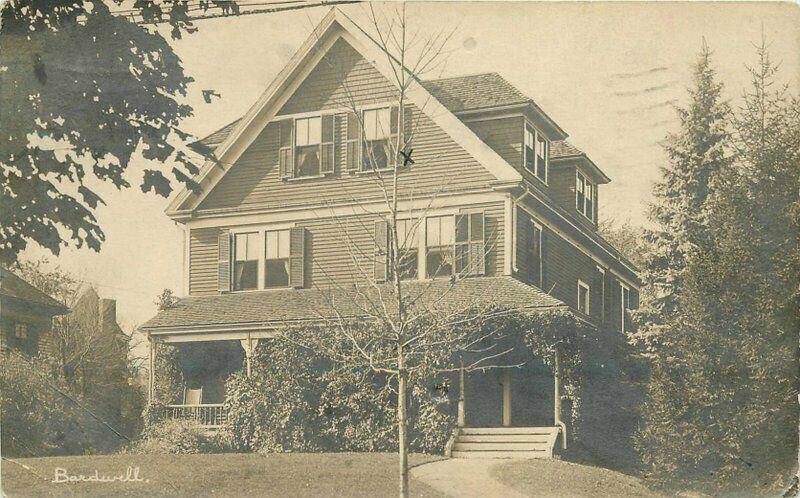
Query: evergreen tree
{"points": [[721, 411], [696, 155]]}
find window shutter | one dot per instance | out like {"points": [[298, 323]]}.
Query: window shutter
{"points": [[224, 261], [286, 150], [462, 246], [353, 152], [328, 160], [381, 260], [297, 259], [477, 244], [407, 129]]}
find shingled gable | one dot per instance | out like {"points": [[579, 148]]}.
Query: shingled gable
{"points": [[334, 26]]}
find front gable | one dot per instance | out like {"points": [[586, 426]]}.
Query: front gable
{"points": [[338, 65]]}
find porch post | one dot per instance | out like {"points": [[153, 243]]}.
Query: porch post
{"points": [[248, 345], [506, 397], [557, 387], [461, 398]]}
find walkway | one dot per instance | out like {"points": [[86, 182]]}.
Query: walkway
{"points": [[464, 478]]}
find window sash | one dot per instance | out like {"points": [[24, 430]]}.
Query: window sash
{"points": [[308, 131]]}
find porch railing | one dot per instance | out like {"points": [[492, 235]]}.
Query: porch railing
{"points": [[210, 416]]}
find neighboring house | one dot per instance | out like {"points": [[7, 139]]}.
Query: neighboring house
{"points": [[263, 237], [26, 315]]}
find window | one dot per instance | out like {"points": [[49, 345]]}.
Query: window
{"points": [[307, 140], [584, 195], [407, 245], [439, 240], [20, 331], [380, 128], [583, 297], [470, 251], [245, 261], [626, 304], [536, 152], [276, 259], [536, 255]]}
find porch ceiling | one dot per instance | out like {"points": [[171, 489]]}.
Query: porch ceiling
{"points": [[271, 308]]}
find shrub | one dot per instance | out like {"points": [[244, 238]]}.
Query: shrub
{"points": [[175, 437]]}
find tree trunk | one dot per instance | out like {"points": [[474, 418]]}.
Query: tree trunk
{"points": [[402, 435]]}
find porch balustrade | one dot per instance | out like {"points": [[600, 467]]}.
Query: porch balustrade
{"points": [[210, 416]]}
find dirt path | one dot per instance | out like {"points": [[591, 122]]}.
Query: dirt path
{"points": [[464, 478]]}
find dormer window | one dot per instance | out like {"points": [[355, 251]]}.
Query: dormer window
{"points": [[536, 151], [584, 195]]}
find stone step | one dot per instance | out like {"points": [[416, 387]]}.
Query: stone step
{"points": [[459, 446], [501, 454], [504, 438], [508, 430]]}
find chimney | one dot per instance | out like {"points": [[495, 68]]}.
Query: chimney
{"points": [[108, 314]]}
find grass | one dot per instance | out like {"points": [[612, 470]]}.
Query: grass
{"points": [[285, 474], [555, 478]]}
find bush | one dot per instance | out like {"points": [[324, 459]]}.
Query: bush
{"points": [[297, 401], [174, 437]]}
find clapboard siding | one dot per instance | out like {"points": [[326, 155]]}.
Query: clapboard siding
{"points": [[562, 186], [254, 181], [203, 255], [338, 250], [503, 135]]}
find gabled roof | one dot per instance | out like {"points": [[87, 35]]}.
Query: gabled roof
{"points": [[12, 286], [276, 307], [334, 26]]}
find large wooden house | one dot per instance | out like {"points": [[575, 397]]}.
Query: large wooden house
{"points": [[263, 237]]}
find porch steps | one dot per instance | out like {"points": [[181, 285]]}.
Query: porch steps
{"points": [[504, 442]]}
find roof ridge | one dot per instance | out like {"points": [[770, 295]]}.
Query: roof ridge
{"points": [[468, 75]]}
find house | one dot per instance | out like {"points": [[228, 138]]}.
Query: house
{"points": [[26, 315], [493, 176]]}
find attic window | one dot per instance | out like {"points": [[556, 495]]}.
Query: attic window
{"points": [[536, 151], [308, 136], [584, 195], [380, 128]]}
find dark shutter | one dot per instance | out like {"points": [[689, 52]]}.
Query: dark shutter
{"points": [[286, 150], [224, 261], [381, 260], [297, 259], [597, 304], [353, 135], [477, 244], [327, 153]]}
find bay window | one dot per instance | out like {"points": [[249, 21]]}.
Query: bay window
{"points": [[245, 261], [276, 259], [380, 129], [439, 242], [584, 195]]}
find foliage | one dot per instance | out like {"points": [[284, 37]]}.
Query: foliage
{"points": [[168, 380], [175, 437], [166, 300], [297, 400], [38, 419], [721, 410], [92, 92]]}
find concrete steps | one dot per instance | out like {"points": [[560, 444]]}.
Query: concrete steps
{"points": [[504, 442]]}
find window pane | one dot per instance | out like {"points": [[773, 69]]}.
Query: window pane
{"points": [[276, 273], [439, 262], [308, 161], [245, 275], [407, 233], [314, 130], [301, 132], [432, 231], [283, 244], [327, 128], [376, 154], [240, 241], [447, 230], [272, 245], [370, 125], [408, 263], [462, 228], [384, 122], [252, 246]]}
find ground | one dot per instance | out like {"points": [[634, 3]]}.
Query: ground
{"points": [[314, 474]]}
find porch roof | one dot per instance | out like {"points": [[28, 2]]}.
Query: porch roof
{"points": [[271, 308]]}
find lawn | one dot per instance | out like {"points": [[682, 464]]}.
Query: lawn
{"points": [[558, 478], [286, 474]]}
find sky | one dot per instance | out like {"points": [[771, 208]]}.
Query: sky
{"points": [[609, 73]]}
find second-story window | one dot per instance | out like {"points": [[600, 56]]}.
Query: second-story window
{"points": [[439, 244], [307, 140], [536, 152], [20, 331], [584, 195], [583, 297], [408, 249], [276, 259], [380, 128], [245, 261]]}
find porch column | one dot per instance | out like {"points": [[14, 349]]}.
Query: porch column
{"points": [[461, 399], [506, 397], [248, 345], [151, 378]]}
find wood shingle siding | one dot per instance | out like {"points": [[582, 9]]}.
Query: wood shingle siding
{"points": [[203, 261], [254, 180]]}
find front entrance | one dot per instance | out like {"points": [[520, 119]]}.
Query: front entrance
{"points": [[502, 397]]}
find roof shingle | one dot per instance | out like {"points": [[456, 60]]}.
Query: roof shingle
{"points": [[274, 307], [14, 287]]}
